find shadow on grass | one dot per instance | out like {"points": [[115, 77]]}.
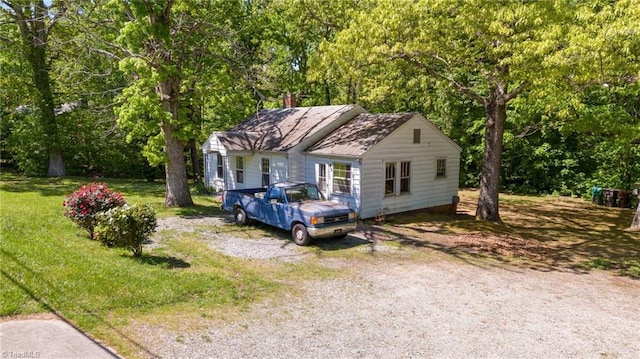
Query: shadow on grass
{"points": [[336, 244], [547, 234], [325, 244], [168, 262], [199, 211]]}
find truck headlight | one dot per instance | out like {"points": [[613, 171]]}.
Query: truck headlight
{"points": [[353, 215], [317, 220]]}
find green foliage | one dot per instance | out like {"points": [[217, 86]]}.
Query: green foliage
{"points": [[626, 267], [85, 205], [126, 227], [20, 129]]}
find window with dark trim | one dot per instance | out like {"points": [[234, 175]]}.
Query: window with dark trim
{"points": [[390, 179], [405, 177], [441, 168], [266, 172], [220, 166], [416, 135], [341, 178], [240, 169]]}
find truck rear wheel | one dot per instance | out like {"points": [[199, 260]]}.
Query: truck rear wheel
{"points": [[300, 235], [240, 217]]}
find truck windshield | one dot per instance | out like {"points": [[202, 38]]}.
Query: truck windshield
{"points": [[303, 193]]}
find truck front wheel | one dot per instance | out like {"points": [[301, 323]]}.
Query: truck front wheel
{"points": [[240, 217], [300, 235]]}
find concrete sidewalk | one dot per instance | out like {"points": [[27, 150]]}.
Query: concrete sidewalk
{"points": [[48, 338]]}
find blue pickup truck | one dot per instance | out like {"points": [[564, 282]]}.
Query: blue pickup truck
{"points": [[296, 207]]}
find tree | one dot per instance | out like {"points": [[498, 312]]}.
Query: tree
{"points": [[492, 52], [36, 21], [170, 48], [293, 31], [635, 224]]}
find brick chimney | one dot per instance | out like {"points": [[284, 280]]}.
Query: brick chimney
{"points": [[289, 100]]}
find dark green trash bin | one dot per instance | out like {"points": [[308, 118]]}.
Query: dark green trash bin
{"points": [[596, 195]]}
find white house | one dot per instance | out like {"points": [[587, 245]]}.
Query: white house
{"points": [[377, 163]]}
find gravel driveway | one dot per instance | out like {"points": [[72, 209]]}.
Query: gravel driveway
{"points": [[390, 307]]}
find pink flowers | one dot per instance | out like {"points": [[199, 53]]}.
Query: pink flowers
{"points": [[84, 204]]}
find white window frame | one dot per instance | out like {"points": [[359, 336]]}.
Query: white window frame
{"points": [[321, 180], [390, 171], [347, 178], [219, 165], [405, 175], [240, 169], [266, 172], [417, 135]]}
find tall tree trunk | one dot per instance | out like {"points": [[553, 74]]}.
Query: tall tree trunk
{"points": [[195, 161], [636, 219], [35, 33], [496, 111], [327, 93], [175, 168]]}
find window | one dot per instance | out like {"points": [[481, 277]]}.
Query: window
{"points": [[390, 179], [322, 176], [240, 169], [341, 178], [266, 172], [220, 172], [405, 177], [416, 135], [441, 168]]}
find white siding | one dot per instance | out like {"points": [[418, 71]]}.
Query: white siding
{"points": [[211, 178], [311, 176], [298, 160], [426, 191], [213, 145], [296, 166], [209, 149], [253, 170]]}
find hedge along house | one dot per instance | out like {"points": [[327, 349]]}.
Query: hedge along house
{"points": [[376, 163]]}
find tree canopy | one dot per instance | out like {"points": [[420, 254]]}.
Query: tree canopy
{"points": [[542, 96]]}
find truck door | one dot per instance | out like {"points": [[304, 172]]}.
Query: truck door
{"points": [[273, 208]]}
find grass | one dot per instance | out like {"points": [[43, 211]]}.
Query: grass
{"points": [[50, 265], [544, 232]]}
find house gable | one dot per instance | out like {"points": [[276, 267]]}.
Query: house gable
{"points": [[357, 136], [360, 134]]}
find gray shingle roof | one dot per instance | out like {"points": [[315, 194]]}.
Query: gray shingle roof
{"points": [[238, 141], [281, 129], [358, 135]]}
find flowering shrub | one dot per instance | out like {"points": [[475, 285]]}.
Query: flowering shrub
{"points": [[126, 227], [83, 205]]}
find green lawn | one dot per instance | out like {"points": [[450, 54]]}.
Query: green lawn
{"points": [[47, 264]]}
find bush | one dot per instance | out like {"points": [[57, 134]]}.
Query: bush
{"points": [[83, 205], [126, 227]]}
